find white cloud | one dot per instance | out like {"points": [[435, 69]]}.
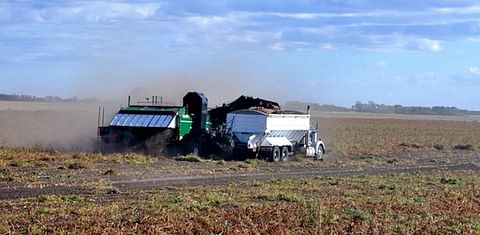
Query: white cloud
{"points": [[327, 46], [104, 11], [458, 10], [277, 47], [474, 70], [90, 11], [299, 16], [272, 27], [428, 45], [206, 21]]}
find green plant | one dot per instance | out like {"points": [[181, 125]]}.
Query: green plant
{"points": [[189, 158]]}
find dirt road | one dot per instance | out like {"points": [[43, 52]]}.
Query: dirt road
{"points": [[14, 191]]}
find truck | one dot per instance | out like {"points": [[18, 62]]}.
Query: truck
{"points": [[246, 127], [273, 135]]}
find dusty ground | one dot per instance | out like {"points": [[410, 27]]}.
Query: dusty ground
{"points": [[438, 200], [377, 147], [61, 126], [356, 144], [58, 173]]}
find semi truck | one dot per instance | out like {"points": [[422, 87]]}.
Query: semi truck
{"points": [[246, 127], [273, 135]]}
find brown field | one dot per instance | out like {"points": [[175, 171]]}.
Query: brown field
{"points": [[373, 180], [359, 135], [421, 204]]}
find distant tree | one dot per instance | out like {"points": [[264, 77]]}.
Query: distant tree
{"points": [[29, 98]]}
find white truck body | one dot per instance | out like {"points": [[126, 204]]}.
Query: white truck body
{"points": [[255, 121], [259, 130]]}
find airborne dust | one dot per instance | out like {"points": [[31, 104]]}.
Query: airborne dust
{"points": [[72, 127]]}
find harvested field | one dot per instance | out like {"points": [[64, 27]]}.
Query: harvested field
{"points": [[381, 174], [73, 127], [404, 203], [355, 136]]}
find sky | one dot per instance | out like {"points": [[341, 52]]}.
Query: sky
{"points": [[408, 52]]}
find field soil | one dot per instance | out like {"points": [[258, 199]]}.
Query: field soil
{"points": [[46, 164], [85, 173]]}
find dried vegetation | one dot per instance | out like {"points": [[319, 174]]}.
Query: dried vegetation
{"points": [[436, 203], [390, 204], [373, 136]]}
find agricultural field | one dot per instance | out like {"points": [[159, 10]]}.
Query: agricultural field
{"points": [[355, 134], [403, 203], [381, 174], [61, 126]]}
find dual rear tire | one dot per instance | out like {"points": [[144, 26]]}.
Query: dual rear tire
{"points": [[279, 154]]}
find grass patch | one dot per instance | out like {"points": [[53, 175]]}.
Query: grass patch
{"points": [[316, 216], [130, 158], [288, 197], [332, 181], [448, 181], [6, 175], [253, 162], [101, 187], [357, 214], [189, 158]]}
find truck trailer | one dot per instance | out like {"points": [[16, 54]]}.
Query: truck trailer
{"points": [[246, 127], [273, 135]]}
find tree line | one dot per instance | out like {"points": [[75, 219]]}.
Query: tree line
{"points": [[53, 99], [372, 107]]}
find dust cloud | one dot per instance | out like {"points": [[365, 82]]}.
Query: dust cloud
{"points": [[52, 126], [73, 126], [220, 80]]}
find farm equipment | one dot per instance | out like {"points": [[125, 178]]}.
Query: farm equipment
{"points": [[246, 127], [273, 135]]}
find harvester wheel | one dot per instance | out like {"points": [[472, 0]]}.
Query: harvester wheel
{"points": [[196, 150], [284, 154], [276, 154]]}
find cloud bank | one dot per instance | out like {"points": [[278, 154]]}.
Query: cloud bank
{"points": [[52, 30]]}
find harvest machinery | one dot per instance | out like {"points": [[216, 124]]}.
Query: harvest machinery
{"points": [[246, 127]]}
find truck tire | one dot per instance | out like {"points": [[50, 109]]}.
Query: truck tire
{"points": [[284, 154], [276, 154], [319, 154]]}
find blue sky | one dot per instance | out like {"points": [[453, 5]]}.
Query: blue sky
{"points": [[407, 52]]}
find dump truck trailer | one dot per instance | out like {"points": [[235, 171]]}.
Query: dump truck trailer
{"points": [[273, 135], [246, 127]]}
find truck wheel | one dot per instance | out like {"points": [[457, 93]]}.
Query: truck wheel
{"points": [[319, 154], [276, 154], [284, 154]]}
